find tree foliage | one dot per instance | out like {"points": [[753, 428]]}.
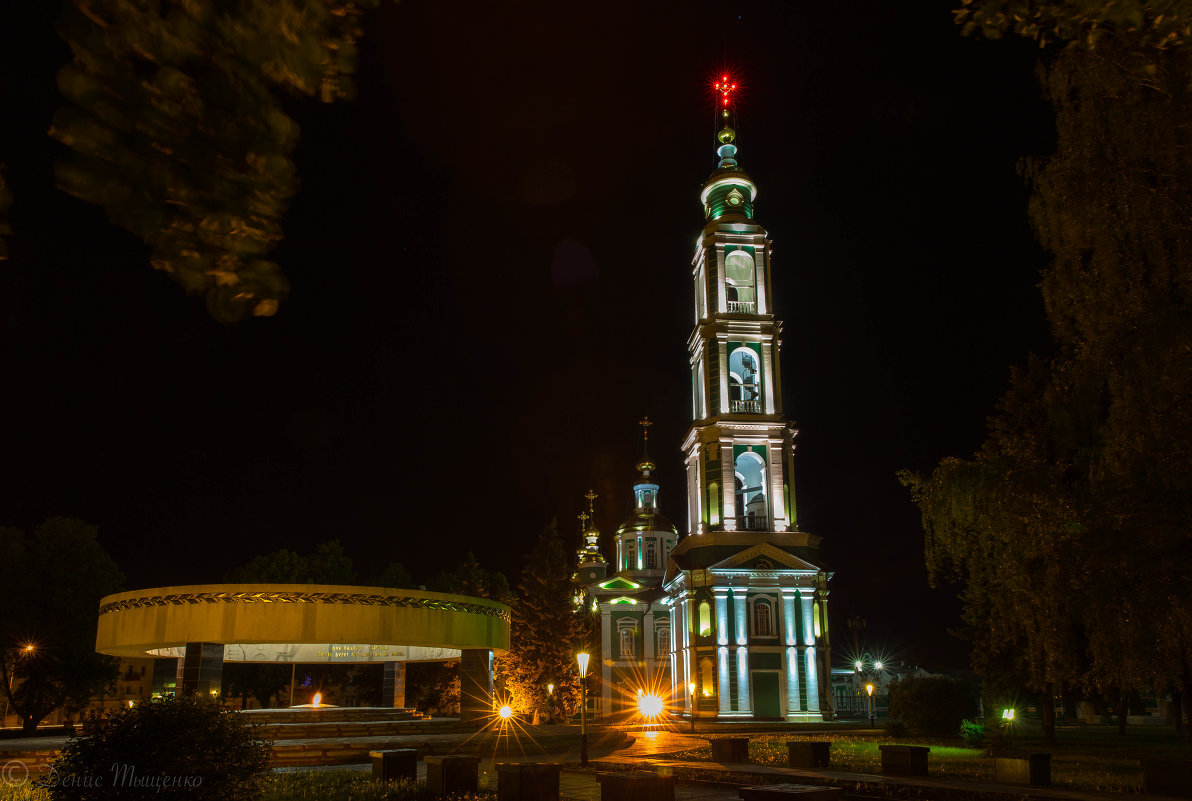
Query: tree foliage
{"points": [[1155, 24], [176, 128], [932, 705], [545, 634], [328, 563], [54, 579], [1068, 527]]}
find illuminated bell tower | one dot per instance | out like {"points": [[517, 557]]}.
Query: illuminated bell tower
{"points": [[748, 592], [590, 565]]}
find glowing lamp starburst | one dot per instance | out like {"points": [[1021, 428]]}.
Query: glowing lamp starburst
{"points": [[318, 699], [505, 712], [649, 705]]}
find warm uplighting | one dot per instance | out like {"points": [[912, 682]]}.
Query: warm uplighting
{"points": [[649, 705], [29, 648], [318, 699], [505, 712]]}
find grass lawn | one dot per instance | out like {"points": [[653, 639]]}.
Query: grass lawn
{"points": [[1094, 758]]}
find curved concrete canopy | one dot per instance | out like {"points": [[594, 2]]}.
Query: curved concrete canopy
{"points": [[300, 623]]}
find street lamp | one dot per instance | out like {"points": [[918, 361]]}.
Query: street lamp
{"points": [[26, 650], [869, 689], [691, 689], [582, 659]]}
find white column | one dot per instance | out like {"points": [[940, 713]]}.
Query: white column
{"points": [[761, 270], [694, 496], [722, 680], [741, 613], [743, 705], [722, 372], [790, 622], [720, 595], [721, 295], [807, 599], [777, 494], [792, 681], [767, 377], [729, 485]]}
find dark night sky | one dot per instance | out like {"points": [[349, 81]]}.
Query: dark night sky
{"points": [[490, 266]]}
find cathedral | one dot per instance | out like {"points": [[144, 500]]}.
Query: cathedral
{"points": [[729, 622]]}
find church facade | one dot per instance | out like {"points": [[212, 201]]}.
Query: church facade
{"points": [[731, 619]]}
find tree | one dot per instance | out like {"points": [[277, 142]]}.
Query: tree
{"points": [[545, 634], [1083, 485], [396, 576], [328, 563], [54, 579], [176, 129]]}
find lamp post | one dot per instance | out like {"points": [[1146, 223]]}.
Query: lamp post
{"points": [[582, 659], [691, 689], [869, 689], [25, 651]]}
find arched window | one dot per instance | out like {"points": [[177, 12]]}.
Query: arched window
{"points": [[705, 620], [740, 283], [744, 376], [651, 554], [751, 492], [714, 504], [763, 619], [661, 641], [625, 638]]}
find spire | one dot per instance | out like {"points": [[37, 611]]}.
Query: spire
{"points": [[590, 552], [645, 465], [729, 192]]}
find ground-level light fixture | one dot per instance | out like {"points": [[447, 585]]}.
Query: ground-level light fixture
{"points": [[505, 712]]}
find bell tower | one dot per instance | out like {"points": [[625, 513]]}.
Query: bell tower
{"points": [[747, 591], [739, 448]]}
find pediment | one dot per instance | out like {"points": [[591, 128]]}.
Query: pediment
{"points": [[764, 557], [619, 583]]}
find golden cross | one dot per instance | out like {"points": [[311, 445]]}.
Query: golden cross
{"points": [[591, 496], [583, 520], [645, 424]]}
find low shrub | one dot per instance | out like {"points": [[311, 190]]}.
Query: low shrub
{"points": [[973, 733], [185, 747]]}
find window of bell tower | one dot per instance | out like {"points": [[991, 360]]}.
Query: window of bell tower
{"points": [[750, 471], [740, 283], [744, 376]]}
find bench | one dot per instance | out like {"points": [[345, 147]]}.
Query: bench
{"points": [[395, 765], [636, 787], [528, 781], [452, 774], [1022, 767], [730, 749], [808, 754], [904, 760]]}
